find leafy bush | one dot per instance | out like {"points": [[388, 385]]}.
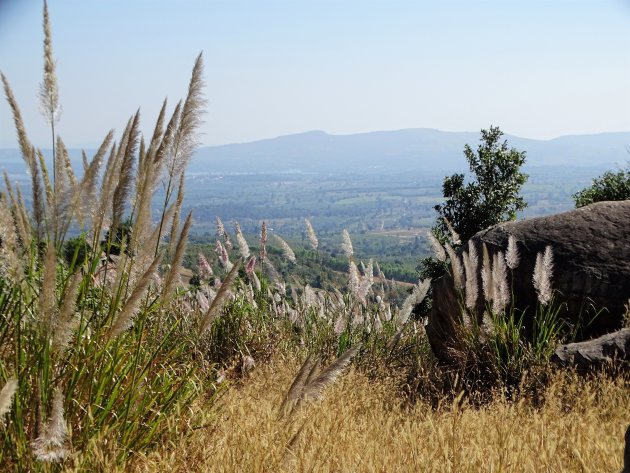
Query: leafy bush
{"points": [[610, 186], [492, 196]]}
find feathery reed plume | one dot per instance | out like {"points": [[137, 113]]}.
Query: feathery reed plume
{"points": [[46, 179], [255, 280], [287, 252], [68, 320], [176, 266], [512, 258], [367, 280], [47, 302], [346, 244], [312, 237], [24, 142], [108, 182], [90, 177], [242, 243], [178, 208], [125, 317], [294, 393], [471, 264], [149, 170], [125, 180], [251, 264], [60, 177], [6, 396], [205, 270], [418, 294], [222, 253], [167, 139], [309, 297], [10, 262], [202, 300], [51, 446], [486, 275], [500, 290], [272, 273], [21, 216], [48, 89], [222, 233], [220, 298], [39, 210], [456, 268], [436, 247], [185, 139], [354, 281], [263, 241], [543, 271], [314, 389], [454, 235]]}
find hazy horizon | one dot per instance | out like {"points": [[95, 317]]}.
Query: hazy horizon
{"points": [[537, 69]]}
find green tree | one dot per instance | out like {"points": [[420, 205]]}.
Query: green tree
{"points": [[610, 186], [492, 196]]}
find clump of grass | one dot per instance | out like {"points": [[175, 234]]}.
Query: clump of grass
{"points": [[492, 346], [94, 354]]}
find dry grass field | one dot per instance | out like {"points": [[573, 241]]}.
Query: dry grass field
{"points": [[361, 426]]}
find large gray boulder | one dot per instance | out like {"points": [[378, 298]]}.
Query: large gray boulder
{"points": [[591, 276]]}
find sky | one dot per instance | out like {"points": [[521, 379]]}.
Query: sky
{"points": [[536, 68]]}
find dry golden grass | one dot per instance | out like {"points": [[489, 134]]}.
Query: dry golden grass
{"points": [[360, 426]]}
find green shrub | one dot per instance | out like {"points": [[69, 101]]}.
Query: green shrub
{"points": [[610, 186]]}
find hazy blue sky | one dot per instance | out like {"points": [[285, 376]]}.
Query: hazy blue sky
{"points": [[537, 68]]}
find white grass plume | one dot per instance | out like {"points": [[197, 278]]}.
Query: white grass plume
{"points": [[242, 243], [417, 295], [354, 280], [346, 244], [454, 235], [47, 299], [512, 257], [471, 265], [456, 268], [314, 389], [312, 236], [287, 252], [486, 275], [500, 289], [51, 445], [295, 391], [205, 270], [543, 271], [11, 265], [222, 253], [6, 396], [48, 90], [436, 246], [220, 298]]}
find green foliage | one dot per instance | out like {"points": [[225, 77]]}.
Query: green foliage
{"points": [[493, 194], [76, 251], [113, 244], [609, 186]]}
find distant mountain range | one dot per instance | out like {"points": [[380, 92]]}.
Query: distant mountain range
{"points": [[400, 151], [411, 150]]}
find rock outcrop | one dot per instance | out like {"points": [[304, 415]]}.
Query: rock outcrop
{"points": [[591, 275], [595, 353]]}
